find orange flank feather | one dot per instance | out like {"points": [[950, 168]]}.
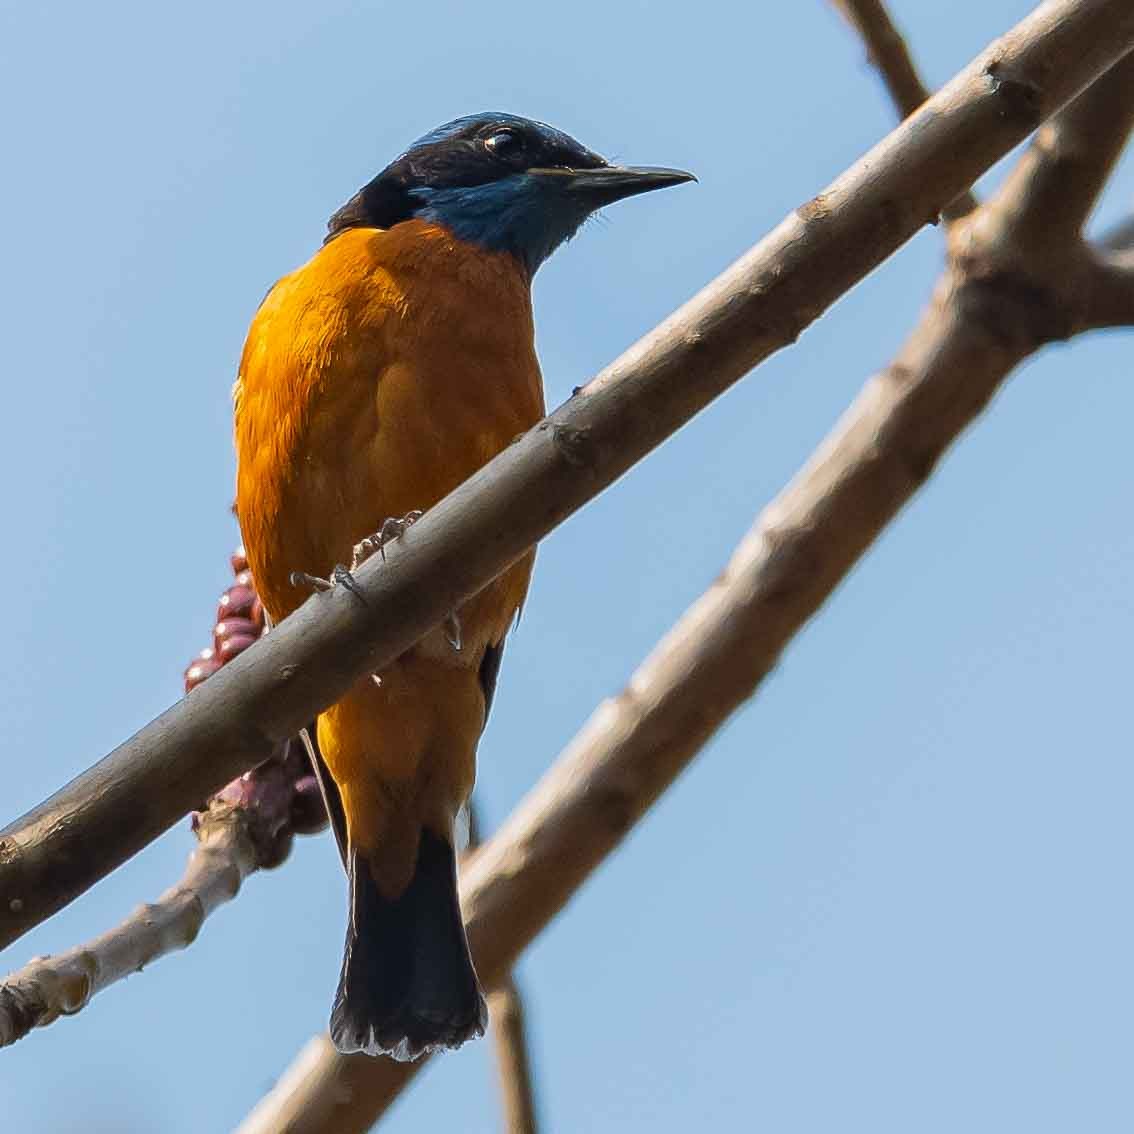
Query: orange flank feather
{"points": [[374, 380]]}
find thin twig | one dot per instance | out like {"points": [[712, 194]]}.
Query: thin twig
{"points": [[989, 311], [513, 1063], [509, 1038], [61, 985], [248, 826], [61, 848], [887, 51]]}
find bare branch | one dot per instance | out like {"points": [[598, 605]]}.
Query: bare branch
{"points": [[50, 987], [887, 51], [506, 1019], [248, 826], [513, 1065], [1030, 234], [1053, 189], [762, 303]]}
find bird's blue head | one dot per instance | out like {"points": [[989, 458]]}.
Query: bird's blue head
{"points": [[505, 183]]}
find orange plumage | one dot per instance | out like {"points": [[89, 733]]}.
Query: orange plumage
{"points": [[374, 380]]}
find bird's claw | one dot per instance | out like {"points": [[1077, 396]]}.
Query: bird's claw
{"points": [[340, 577], [392, 528], [309, 582]]}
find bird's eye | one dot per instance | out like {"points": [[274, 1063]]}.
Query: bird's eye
{"points": [[505, 143]]}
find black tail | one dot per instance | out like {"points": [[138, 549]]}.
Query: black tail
{"points": [[407, 985]]}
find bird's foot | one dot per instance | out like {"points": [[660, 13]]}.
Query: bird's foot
{"points": [[340, 577], [392, 528]]}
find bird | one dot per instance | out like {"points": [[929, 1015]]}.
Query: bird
{"points": [[375, 379]]}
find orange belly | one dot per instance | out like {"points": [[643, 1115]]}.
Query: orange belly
{"points": [[375, 379]]}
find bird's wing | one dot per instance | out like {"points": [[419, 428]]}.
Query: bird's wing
{"points": [[332, 800], [328, 789], [489, 671]]}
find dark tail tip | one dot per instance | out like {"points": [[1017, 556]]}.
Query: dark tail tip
{"points": [[408, 984]]}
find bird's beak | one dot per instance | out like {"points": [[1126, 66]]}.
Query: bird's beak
{"points": [[608, 183]]}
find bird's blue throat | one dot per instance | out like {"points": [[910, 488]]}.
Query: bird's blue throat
{"points": [[519, 214]]}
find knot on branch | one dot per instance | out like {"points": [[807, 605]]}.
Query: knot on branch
{"points": [[1021, 286], [1020, 97], [20, 1011], [574, 444], [1016, 310]]}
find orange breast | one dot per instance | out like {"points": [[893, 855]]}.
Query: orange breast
{"points": [[374, 380]]}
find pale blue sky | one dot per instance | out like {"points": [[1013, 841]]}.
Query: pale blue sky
{"points": [[893, 894]]}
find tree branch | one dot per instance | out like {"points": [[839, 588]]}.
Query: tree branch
{"points": [[50, 987], [887, 51], [249, 825], [506, 1021], [1058, 181], [762, 303], [1031, 231], [513, 1065], [989, 311]]}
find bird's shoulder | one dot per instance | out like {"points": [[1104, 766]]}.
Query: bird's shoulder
{"points": [[350, 276]]}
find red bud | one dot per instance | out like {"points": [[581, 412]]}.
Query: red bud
{"points": [[234, 628], [205, 665], [236, 602], [237, 644]]}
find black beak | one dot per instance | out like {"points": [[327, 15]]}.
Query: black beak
{"points": [[608, 183]]}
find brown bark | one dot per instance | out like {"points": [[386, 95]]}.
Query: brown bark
{"points": [[887, 51], [513, 1064], [61, 985]]}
